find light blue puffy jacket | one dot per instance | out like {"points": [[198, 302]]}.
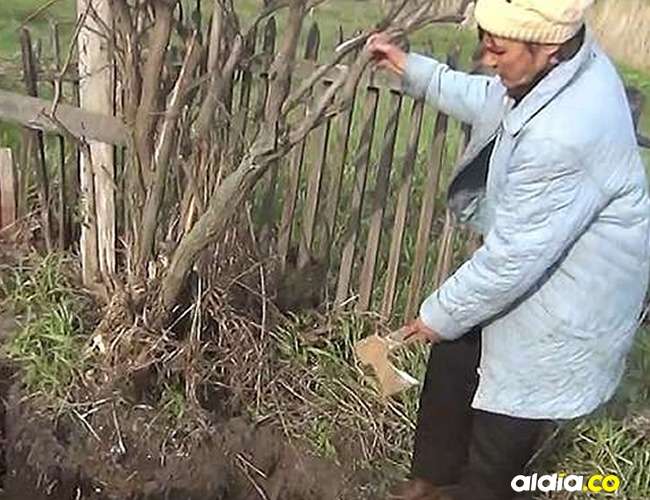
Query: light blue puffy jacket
{"points": [[559, 282]]}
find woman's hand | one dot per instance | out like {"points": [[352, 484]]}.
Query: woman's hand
{"points": [[386, 54], [416, 330]]}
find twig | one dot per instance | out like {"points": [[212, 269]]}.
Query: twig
{"points": [[255, 469], [264, 299], [87, 425], [58, 82], [37, 13], [257, 486], [120, 442]]}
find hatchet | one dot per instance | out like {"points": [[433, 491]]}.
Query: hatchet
{"points": [[375, 351]]}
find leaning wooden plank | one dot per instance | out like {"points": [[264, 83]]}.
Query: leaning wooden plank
{"points": [[427, 212], [401, 209], [367, 279], [7, 191], [33, 113], [369, 107]]}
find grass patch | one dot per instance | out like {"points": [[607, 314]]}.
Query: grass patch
{"points": [[338, 411], [50, 342], [328, 400]]}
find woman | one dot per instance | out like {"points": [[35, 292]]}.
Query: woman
{"points": [[536, 326]]}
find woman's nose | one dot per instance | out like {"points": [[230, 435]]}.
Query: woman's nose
{"points": [[488, 59]]}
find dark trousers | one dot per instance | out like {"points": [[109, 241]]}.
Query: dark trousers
{"points": [[474, 454]]}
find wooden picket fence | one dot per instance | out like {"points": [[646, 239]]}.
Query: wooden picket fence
{"points": [[363, 194]]}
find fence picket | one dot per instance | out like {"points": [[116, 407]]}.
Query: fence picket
{"points": [[427, 214], [64, 212], [369, 268], [293, 181], [269, 181], [362, 159], [341, 128], [401, 209], [241, 122], [317, 141], [34, 139]]}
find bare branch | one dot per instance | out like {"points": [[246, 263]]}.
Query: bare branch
{"points": [[214, 46], [147, 111], [267, 11], [58, 82], [166, 141], [218, 88], [280, 71]]}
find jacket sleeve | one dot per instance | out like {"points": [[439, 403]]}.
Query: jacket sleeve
{"points": [[548, 202], [457, 94]]}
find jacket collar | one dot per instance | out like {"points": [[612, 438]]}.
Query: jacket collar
{"points": [[549, 87]]}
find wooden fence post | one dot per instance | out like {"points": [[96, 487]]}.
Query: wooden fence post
{"points": [[97, 178], [7, 191]]}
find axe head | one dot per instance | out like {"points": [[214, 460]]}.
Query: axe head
{"points": [[375, 351]]}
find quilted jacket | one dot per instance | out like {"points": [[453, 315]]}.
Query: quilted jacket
{"points": [[559, 282]]}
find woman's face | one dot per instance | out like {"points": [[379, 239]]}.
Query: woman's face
{"points": [[518, 64]]}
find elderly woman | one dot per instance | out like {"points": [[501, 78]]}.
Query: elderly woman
{"points": [[536, 326]]}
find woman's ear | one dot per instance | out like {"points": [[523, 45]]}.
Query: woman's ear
{"points": [[553, 54]]}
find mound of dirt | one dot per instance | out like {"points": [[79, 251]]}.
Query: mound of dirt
{"points": [[60, 460], [120, 435]]}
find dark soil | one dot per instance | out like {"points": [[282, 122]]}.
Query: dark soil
{"points": [[121, 445], [131, 454], [45, 458]]}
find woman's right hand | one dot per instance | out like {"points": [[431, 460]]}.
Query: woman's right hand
{"points": [[386, 54]]}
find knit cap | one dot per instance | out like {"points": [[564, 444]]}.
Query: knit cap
{"points": [[538, 21]]}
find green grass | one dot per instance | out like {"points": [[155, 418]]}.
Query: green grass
{"points": [[50, 342], [331, 403]]}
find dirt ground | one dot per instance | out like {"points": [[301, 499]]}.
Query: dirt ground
{"points": [[57, 459], [127, 450]]}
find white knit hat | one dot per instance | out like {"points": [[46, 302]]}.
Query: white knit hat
{"points": [[540, 21]]}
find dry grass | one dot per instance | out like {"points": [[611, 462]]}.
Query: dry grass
{"points": [[622, 27]]}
